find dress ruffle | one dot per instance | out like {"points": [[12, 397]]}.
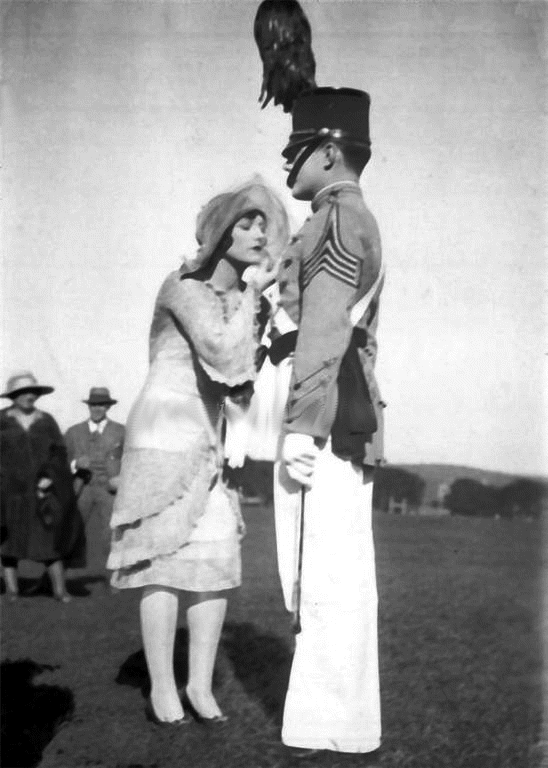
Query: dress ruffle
{"points": [[160, 521], [152, 479], [208, 561]]}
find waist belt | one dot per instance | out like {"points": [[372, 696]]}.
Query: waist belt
{"points": [[282, 347], [285, 345]]}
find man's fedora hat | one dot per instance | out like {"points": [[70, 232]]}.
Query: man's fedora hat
{"points": [[339, 113], [99, 396], [22, 382]]}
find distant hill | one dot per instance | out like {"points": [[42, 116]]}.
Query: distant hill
{"points": [[437, 475]]}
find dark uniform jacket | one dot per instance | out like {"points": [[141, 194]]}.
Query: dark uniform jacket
{"points": [[329, 265]]}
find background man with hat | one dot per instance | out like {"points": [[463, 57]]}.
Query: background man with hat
{"points": [[95, 452], [330, 281]]}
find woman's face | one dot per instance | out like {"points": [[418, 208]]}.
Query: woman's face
{"points": [[248, 239], [25, 401]]}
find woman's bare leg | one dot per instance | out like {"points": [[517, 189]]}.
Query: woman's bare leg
{"points": [[205, 617], [159, 608], [57, 576], [10, 578]]}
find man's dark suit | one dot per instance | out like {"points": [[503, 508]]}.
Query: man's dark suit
{"points": [[104, 451]]}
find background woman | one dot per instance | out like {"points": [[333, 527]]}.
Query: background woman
{"points": [[176, 525], [39, 515]]}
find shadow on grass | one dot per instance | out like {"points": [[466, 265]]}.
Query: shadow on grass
{"points": [[31, 714], [79, 586], [261, 662], [134, 672], [41, 587]]}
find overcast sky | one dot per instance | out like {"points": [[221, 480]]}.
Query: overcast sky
{"points": [[122, 118]]}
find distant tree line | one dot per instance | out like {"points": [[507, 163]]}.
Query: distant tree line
{"points": [[398, 485], [522, 497]]}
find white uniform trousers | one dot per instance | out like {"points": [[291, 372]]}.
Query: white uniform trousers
{"points": [[333, 699]]}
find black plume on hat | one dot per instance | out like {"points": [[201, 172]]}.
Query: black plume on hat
{"points": [[283, 37]]}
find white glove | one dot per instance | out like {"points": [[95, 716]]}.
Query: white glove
{"points": [[261, 275], [299, 453], [237, 433]]}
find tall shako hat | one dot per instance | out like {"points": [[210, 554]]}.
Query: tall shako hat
{"points": [[322, 113]]}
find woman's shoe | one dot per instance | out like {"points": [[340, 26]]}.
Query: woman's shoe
{"points": [[152, 717], [209, 721], [13, 595]]}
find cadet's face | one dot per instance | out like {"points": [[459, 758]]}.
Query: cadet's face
{"points": [[248, 239], [25, 401], [98, 412], [309, 178]]}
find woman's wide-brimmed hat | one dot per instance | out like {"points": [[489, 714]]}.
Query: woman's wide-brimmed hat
{"points": [[224, 210], [22, 382], [99, 396]]}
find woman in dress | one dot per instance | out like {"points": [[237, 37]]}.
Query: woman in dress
{"points": [[40, 519], [176, 524]]}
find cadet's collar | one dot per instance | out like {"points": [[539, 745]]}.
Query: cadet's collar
{"points": [[333, 189]]}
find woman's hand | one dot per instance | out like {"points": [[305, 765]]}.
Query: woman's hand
{"points": [[43, 486], [263, 275]]}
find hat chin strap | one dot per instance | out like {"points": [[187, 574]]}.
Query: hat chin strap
{"points": [[312, 146]]}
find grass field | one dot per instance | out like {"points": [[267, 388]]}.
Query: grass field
{"points": [[459, 643]]}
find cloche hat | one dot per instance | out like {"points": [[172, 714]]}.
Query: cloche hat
{"points": [[222, 211]]}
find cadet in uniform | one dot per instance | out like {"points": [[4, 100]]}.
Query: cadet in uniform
{"points": [[330, 281]]}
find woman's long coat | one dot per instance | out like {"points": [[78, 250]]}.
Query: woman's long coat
{"points": [[26, 455]]}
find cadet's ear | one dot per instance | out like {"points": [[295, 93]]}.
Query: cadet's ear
{"points": [[330, 155]]}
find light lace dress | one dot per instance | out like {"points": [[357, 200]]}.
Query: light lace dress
{"points": [[175, 523]]}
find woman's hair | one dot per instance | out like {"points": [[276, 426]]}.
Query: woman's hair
{"points": [[226, 238]]}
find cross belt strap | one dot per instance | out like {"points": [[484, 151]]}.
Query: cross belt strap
{"points": [[359, 308]]}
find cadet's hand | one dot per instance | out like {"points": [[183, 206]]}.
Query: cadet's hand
{"points": [[299, 455]]}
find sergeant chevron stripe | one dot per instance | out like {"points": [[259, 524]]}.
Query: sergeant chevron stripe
{"points": [[331, 256]]}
